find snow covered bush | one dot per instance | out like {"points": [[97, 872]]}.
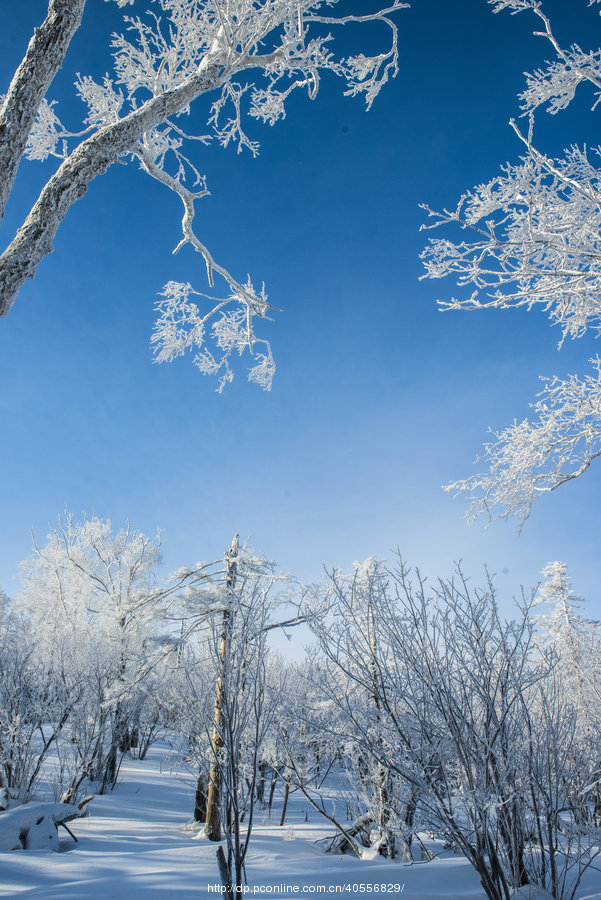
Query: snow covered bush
{"points": [[576, 643], [37, 698], [351, 682], [469, 731], [306, 746]]}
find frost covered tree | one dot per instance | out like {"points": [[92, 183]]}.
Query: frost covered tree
{"points": [[37, 698], [575, 638], [575, 642], [216, 62], [531, 238], [347, 622], [245, 708], [93, 603]]}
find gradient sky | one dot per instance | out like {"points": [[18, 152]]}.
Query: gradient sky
{"points": [[379, 398]]}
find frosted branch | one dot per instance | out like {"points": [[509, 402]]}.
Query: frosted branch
{"points": [[537, 240], [533, 238], [250, 56], [531, 458], [43, 59], [182, 327], [227, 323]]}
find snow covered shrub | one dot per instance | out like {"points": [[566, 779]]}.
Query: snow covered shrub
{"points": [[469, 724], [353, 681], [575, 642], [306, 744], [36, 700]]}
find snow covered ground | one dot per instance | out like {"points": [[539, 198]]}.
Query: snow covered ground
{"points": [[135, 845]]}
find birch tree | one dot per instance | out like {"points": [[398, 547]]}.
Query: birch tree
{"points": [[226, 706], [532, 239], [219, 62]]}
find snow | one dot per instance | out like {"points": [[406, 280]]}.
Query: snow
{"points": [[36, 822], [42, 835], [138, 842], [531, 893]]}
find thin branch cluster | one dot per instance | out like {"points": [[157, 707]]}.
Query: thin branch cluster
{"points": [[529, 458], [534, 240]]}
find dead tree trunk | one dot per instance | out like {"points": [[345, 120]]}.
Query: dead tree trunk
{"points": [[213, 823], [200, 799], [285, 806]]}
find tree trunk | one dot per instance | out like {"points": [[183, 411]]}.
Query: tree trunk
{"points": [[43, 59], [285, 806], [274, 779], [213, 826], [224, 872], [91, 158], [200, 799]]}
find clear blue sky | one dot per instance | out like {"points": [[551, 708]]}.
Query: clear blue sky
{"points": [[379, 399]]}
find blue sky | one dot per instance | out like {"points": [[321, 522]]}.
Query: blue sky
{"points": [[379, 398]]}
